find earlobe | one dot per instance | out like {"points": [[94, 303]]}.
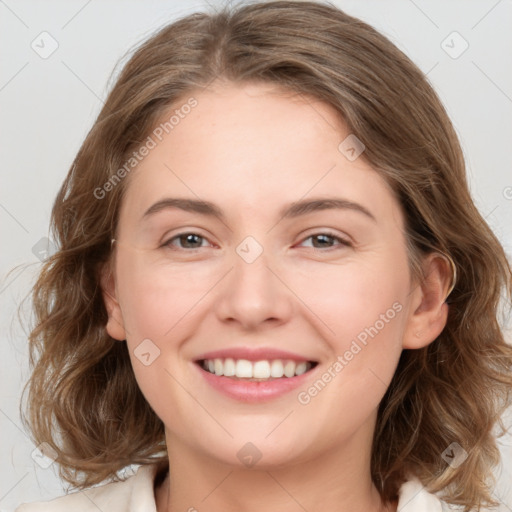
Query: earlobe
{"points": [[115, 323], [429, 311]]}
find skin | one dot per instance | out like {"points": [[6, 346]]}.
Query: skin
{"points": [[252, 150]]}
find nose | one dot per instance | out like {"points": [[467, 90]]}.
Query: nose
{"points": [[254, 293]]}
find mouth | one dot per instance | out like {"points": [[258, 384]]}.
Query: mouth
{"points": [[264, 370]]}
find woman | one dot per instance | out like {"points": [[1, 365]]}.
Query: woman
{"points": [[273, 289]]}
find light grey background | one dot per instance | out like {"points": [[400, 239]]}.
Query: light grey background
{"points": [[48, 104]]}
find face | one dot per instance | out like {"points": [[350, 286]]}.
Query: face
{"points": [[257, 282]]}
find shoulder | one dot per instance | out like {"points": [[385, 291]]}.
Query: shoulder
{"points": [[413, 497], [136, 494], [133, 494]]}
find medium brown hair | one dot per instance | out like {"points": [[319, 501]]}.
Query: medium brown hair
{"points": [[83, 399]]}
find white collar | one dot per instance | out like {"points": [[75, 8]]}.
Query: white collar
{"points": [[412, 496], [136, 494]]}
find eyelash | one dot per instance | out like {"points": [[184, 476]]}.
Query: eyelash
{"points": [[342, 241]]}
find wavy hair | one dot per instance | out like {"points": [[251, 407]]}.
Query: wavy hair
{"points": [[82, 398]]}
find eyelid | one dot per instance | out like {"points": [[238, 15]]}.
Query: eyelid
{"points": [[342, 241], [167, 240]]}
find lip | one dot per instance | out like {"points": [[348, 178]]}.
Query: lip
{"points": [[253, 391], [253, 354]]}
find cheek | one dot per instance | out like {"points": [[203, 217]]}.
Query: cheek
{"points": [[354, 297], [365, 347], [156, 295], [363, 308]]}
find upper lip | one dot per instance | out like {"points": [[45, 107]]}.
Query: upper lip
{"points": [[253, 354]]}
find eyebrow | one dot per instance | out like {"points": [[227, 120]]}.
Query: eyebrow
{"points": [[292, 210]]}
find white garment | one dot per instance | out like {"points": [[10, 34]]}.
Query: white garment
{"points": [[136, 494]]}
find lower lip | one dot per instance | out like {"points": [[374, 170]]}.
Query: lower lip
{"points": [[252, 391]]}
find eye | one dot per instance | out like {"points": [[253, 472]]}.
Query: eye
{"points": [[324, 240], [188, 240], [191, 241]]}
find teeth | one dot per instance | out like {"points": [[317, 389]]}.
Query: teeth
{"points": [[244, 369], [276, 369], [218, 367], [229, 368], [261, 370], [301, 368], [289, 369]]}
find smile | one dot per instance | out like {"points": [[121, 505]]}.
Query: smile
{"points": [[248, 381], [256, 371]]}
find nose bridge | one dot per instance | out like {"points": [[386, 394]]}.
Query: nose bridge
{"points": [[253, 293]]}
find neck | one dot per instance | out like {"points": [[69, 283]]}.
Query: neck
{"points": [[333, 481]]}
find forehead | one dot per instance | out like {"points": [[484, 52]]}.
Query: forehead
{"points": [[245, 122], [252, 146]]}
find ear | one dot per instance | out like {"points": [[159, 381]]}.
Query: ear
{"points": [[115, 323], [429, 311]]}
